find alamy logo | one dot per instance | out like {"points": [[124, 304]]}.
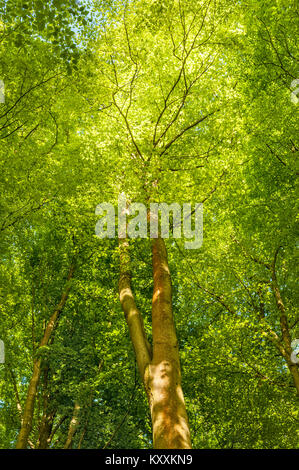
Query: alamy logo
{"points": [[2, 92], [137, 226]]}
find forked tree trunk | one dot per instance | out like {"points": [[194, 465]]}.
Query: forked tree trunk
{"points": [[27, 418], [160, 370]]}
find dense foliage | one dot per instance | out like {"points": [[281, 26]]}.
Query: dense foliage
{"points": [[171, 101]]}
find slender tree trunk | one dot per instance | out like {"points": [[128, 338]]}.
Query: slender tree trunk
{"points": [[160, 370], [56, 427], [74, 423], [45, 430], [29, 406], [133, 317], [82, 436], [48, 415], [32, 389]]}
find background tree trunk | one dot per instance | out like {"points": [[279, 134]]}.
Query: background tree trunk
{"points": [[32, 389], [74, 423]]}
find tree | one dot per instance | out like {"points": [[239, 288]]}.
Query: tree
{"points": [[164, 102]]}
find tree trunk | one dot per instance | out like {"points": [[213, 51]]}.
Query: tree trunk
{"points": [[74, 423], [32, 389], [48, 415], [132, 315], [45, 430], [160, 371], [169, 416]]}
